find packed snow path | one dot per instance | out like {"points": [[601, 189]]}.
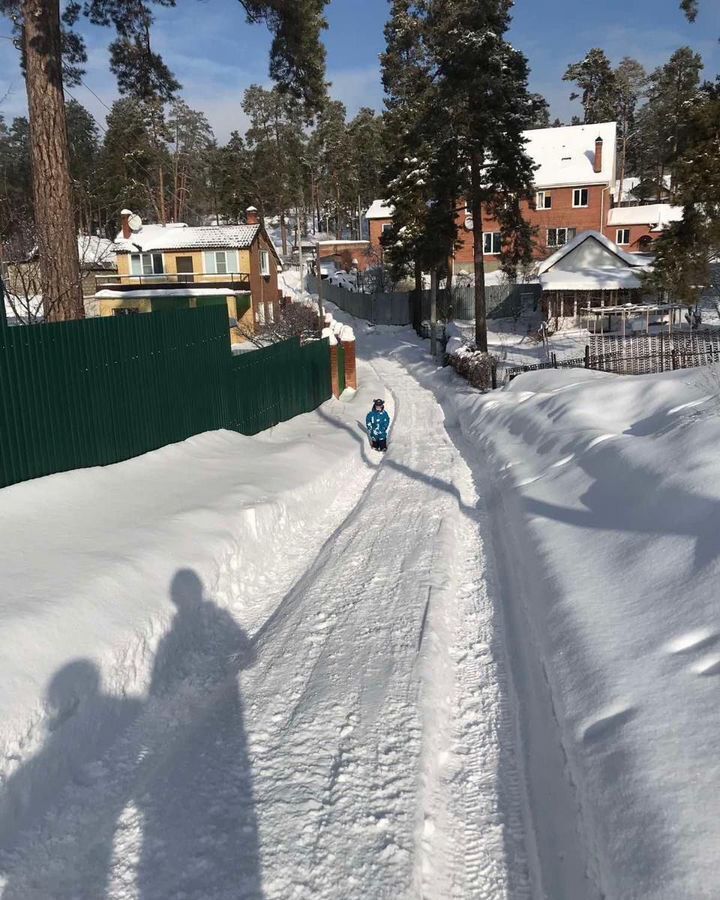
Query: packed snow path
{"points": [[360, 745]]}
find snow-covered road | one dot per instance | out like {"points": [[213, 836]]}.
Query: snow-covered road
{"points": [[353, 741]]}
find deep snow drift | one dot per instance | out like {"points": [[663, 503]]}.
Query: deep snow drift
{"points": [[607, 522]]}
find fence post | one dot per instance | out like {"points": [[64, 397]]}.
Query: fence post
{"points": [[587, 356], [3, 315], [674, 357], [554, 360], [350, 364], [334, 373], [493, 373]]}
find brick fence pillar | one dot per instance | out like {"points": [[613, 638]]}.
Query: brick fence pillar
{"points": [[334, 375], [350, 365]]}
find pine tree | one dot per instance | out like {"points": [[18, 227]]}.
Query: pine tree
{"points": [[630, 78], [685, 250], [597, 81], [483, 85], [276, 140], [422, 169], [663, 122]]}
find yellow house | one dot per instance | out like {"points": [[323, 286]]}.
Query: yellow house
{"points": [[178, 266]]}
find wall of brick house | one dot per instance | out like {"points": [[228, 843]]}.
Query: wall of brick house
{"points": [[376, 230], [562, 215], [636, 232], [264, 288], [357, 250]]}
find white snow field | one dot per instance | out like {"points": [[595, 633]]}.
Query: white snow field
{"points": [[260, 667], [481, 666], [606, 515]]}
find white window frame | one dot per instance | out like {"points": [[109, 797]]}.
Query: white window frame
{"points": [[578, 197], [260, 313], [270, 312], [543, 200], [566, 234], [145, 264], [265, 262], [495, 240], [221, 262], [619, 234]]}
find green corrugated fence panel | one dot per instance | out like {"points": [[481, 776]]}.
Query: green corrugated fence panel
{"points": [[102, 390]]}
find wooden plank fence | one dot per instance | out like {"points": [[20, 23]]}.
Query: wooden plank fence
{"points": [[638, 355]]}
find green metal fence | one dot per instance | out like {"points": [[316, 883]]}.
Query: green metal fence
{"points": [[102, 390]]}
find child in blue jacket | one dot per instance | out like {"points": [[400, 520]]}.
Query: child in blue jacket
{"points": [[377, 423]]}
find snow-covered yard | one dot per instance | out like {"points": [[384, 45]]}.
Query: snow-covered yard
{"points": [[515, 343]]}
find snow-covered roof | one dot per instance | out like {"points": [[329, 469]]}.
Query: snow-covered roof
{"points": [[630, 183], [566, 155], [628, 259], [179, 236], [380, 209], [655, 216], [96, 252], [591, 279]]}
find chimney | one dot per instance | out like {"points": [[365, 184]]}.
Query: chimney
{"points": [[597, 166], [124, 217], [251, 216]]}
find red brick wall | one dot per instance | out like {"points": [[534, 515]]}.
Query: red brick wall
{"points": [[264, 288], [636, 232], [561, 215], [357, 250]]}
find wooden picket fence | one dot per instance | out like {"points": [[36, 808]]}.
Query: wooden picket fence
{"points": [[638, 355]]}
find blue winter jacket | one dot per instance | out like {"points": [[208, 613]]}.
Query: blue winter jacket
{"points": [[377, 424]]}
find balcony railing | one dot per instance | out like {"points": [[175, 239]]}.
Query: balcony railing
{"points": [[236, 281]]}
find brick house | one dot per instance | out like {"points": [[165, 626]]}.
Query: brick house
{"points": [[177, 266], [575, 173], [636, 228]]}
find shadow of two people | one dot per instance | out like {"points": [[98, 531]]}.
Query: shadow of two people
{"points": [[191, 791]]}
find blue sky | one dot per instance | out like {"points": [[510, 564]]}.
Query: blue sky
{"points": [[216, 55]]}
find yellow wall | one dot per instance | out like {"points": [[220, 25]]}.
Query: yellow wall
{"points": [[170, 265]]}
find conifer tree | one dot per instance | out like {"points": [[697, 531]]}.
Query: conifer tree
{"points": [[664, 121], [483, 85], [597, 81], [685, 250], [422, 170]]}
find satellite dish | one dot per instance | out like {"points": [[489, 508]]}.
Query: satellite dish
{"points": [[135, 222], [468, 222]]}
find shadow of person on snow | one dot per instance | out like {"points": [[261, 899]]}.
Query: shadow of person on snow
{"points": [[82, 724], [200, 837]]}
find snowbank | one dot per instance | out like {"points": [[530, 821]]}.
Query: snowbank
{"points": [[88, 558], [607, 515]]}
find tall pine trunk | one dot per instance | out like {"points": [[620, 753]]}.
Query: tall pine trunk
{"points": [[52, 189], [481, 341], [283, 234]]}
